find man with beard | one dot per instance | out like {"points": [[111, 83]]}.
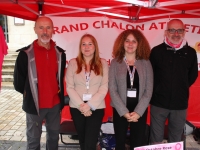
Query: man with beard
{"points": [[175, 69], [38, 75]]}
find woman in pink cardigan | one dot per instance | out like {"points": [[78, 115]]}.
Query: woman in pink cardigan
{"points": [[87, 86], [3, 50]]}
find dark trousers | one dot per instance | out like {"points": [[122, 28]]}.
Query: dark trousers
{"points": [[34, 128], [88, 128], [176, 123], [137, 131]]}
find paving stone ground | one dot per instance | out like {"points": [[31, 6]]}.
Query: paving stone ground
{"points": [[13, 125]]}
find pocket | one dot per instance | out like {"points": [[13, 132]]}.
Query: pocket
{"points": [[34, 127]]}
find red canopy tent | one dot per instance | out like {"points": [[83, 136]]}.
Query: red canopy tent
{"points": [[131, 10]]}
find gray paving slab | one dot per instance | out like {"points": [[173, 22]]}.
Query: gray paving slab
{"points": [[13, 126]]}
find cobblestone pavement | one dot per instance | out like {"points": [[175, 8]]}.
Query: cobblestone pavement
{"points": [[13, 125]]}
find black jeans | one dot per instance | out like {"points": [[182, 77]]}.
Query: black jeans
{"points": [[137, 131], [87, 127]]}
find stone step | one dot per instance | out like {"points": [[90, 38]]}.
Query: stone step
{"points": [[7, 71], [9, 65], [10, 55], [7, 78], [7, 85], [9, 59]]}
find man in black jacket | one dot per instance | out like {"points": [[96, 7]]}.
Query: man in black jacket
{"points": [[38, 75], [175, 70]]}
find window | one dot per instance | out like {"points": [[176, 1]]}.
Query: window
{"points": [[18, 21], [4, 25]]}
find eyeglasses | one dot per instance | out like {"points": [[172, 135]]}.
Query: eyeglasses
{"points": [[179, 31]]}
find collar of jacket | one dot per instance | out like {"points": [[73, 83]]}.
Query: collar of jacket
{"points": [[173, 49]]}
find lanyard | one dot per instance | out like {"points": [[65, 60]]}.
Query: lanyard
{"points": [[131, 74], [87, 76]]}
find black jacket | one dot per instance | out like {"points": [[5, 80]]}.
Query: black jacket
{"points": [[25, 83], [174, 73]]}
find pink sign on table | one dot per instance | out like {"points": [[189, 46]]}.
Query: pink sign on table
{"points": [[166, 146]]}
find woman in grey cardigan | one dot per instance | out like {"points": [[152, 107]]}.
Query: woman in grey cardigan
{"points": [[130, 87]]}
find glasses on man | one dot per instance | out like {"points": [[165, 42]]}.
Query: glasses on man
{"points": [[179, 31]]}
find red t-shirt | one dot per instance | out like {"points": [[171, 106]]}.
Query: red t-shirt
{"points": [[47, 70]]}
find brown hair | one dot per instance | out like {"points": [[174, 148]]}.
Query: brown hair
{"points": [[95, 62], [143, 48]]}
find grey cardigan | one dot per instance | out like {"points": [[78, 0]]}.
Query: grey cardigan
{"points": [[118, 89]]}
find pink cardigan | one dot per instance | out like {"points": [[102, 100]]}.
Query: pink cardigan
{"points": [[76, 86], [3, 50]]}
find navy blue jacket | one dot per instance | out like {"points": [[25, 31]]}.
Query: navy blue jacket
{"points": [[25, 78], [174, 73]]}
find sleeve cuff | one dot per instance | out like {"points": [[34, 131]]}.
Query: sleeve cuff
{"points": [[92, 107]]}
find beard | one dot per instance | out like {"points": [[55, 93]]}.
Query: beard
{"points": [[47, 38], [176, 39], [45, 41]]}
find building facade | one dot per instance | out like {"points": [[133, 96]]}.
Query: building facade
{"points": [[18, 32]]}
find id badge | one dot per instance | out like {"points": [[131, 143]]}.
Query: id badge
{"points": [[131, 92], [87, 97]]}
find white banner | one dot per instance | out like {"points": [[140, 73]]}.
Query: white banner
{"points": [[68, 31]]}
